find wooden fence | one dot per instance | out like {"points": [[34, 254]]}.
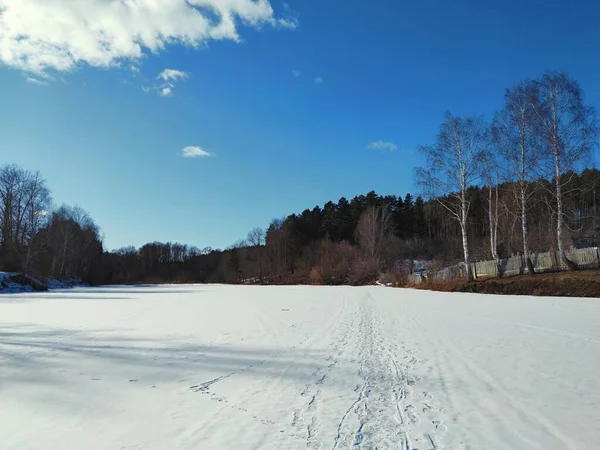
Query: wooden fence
{"points": [[584, 258]]}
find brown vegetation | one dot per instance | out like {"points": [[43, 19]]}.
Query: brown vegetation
{"points": [[585, 283]]}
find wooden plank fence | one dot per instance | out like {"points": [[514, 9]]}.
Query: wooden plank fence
{"points": [[584, 258]]}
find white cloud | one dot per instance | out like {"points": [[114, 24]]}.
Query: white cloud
{"points": [[38, 36], [36, 81], [172, 75], [296, 73], [319, 80], [383, 146], [195, 152]]}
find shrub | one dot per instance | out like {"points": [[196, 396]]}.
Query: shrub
{"points": [[363, 272], [395, 277]]}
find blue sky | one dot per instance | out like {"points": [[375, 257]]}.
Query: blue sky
{"points": [[287, 99]]}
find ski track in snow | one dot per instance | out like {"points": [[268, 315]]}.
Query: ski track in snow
{"points": [[217, 367]]}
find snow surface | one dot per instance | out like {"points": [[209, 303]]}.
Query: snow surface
{"points": [[246, 367]]}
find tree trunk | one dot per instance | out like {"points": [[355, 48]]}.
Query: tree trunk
{"points": [[559, 220], [524, 230], [496, 221], [260, 264], [559, 209], [64, 254], [492, 227], [465, 242], [27, 257]]}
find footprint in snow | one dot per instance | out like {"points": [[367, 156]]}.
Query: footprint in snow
{"points": [[439, 425]]}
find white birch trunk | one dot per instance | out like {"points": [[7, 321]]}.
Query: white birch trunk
{"points": [[496, 221], [524, 222], [492, 223], [463, 229], [559, 209]]}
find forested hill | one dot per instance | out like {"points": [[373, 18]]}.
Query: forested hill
{"points": [[335, 243]]}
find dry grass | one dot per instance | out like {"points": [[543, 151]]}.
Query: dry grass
{"points": [[441, 286], [584, 283], [395, 278]]}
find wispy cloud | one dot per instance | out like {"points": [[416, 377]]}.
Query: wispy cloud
{"points": [[166, 92], [319, 80], [195, 152], [382, 146], [41, 36], [291, 19], [36, 81], [173, 75], [296, 73]]}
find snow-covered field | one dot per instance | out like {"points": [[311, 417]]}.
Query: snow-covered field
{"points": [[225, 367]]}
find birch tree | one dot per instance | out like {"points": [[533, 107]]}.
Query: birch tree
{"points": [[515, 137], [453, 164], [568, 128], [490, 175]]}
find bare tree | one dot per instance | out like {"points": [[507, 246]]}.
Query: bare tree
{"points": [[277, 242], [515, 137], [24, 203], [256, 238], [11, 178], [37, 205], [453, 164], [569, 129], [73, 235], [373, 231], [490, 175]]}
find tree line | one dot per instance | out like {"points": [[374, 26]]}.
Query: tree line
{"points": [[517, 184], [539, 139], [62, 242]]}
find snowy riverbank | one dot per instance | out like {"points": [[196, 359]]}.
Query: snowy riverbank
{"points": [[14, 282]]}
